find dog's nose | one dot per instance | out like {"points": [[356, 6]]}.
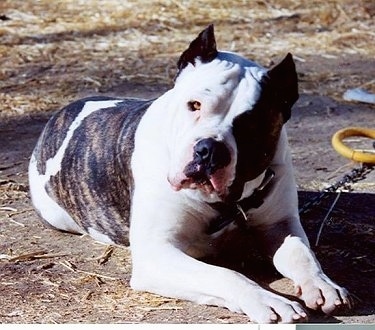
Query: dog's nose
{"points": [[212, 154]]}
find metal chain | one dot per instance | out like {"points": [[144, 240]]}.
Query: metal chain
{"points": [[357, 174]]}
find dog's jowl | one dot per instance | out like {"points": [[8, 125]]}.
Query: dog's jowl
{"points": [[176, 175]]}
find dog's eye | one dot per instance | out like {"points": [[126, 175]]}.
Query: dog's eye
{"points": [[194, 105]]}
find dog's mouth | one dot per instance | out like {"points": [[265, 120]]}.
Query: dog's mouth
{"points": [[195, 177], [203, 184], [208, 169]]}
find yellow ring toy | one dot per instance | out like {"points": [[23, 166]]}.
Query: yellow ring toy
{"points": [[356, 155]]}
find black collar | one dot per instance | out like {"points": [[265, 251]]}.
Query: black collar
{"points": [[236, 212]]}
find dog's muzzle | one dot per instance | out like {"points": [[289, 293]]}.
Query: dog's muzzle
{"points": [[207, 170], [209, 156]]}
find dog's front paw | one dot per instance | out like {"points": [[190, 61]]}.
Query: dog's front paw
{"points": [[321, 293], [271, 308]]}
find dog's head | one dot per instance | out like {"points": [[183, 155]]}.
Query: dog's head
{"points": [[228, 116]]}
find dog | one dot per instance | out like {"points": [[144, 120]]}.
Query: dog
{"points": [[174, 176]]}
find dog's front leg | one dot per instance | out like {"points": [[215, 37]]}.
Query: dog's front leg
{"points": [[285, 240], [159, 266], [172, 273], [295, 260]]}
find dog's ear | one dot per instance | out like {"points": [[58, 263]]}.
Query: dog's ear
{"points": [[284, 82], [202, 48]]}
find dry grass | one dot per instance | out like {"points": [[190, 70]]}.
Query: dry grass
{"points": [[54, 51]]}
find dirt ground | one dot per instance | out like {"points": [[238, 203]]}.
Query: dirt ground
{"points": [[51, 277]]}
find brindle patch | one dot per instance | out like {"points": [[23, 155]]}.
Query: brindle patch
{"points": [[58, 126], [95, 182]]}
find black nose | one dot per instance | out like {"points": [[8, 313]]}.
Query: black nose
{"points": [[212, 154]]}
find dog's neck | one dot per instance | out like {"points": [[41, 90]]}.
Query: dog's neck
{"points": [[236, 212]]}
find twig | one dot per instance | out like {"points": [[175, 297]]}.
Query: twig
{"points": [[5, 256], [19, 212], [7, 208], [104, 257], [16, 222], [333, 174], [68, 265], [74, 268], [149, 309], [28, 256], [34, 256], [326, 217]]}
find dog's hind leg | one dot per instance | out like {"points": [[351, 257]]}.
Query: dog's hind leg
{"points": [[50, 212]]}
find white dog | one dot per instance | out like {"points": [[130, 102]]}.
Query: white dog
{"points": [[208, 157]]}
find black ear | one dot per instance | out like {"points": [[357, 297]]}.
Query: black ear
{"points": [[284, 85], [203, 47]]}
